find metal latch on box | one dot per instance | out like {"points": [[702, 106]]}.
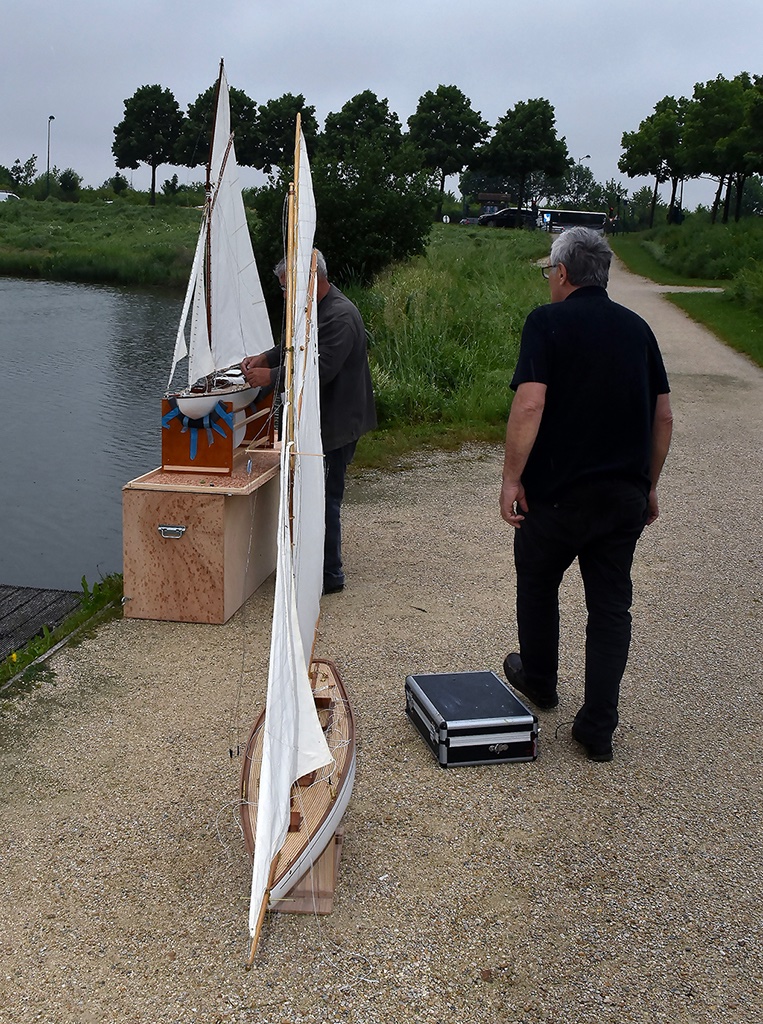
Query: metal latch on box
{"points": [[172, 532]]}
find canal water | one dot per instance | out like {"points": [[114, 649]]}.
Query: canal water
{"points": [[83, 372]]}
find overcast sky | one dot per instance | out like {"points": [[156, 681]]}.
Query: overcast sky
{"points": [[603, 64]]}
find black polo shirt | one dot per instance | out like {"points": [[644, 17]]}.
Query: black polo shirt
{"points": [[603, 371]]}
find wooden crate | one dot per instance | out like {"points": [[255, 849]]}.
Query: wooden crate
{"points": [[188, 447], [195, 548]]}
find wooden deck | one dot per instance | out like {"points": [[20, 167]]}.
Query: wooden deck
{"points": [[24, 611]]}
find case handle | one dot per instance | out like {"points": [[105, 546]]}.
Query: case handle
{"points": [[172, 532]]}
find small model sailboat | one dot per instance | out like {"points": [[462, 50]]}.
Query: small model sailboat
{"points": [[228, 316], [299, 764]]}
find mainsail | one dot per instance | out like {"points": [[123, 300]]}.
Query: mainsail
{"points": [[224, 297], [294, 743]]}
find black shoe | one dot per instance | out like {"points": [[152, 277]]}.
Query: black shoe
{"points": [[512, 666], [600, 751], [332, 588]]}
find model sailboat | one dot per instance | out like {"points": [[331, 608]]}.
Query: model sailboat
{"points": [[299, 765], [228, 317]]}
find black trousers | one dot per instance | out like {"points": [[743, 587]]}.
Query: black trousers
{"points": [[335, 464], [599, 525]]}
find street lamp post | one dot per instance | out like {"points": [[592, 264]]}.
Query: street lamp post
{"points": [[51, 118]]}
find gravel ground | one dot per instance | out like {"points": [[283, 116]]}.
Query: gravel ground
{"points": [[559, 891]]}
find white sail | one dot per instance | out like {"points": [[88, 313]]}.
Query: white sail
{"points": [[294, 743], [309, 496], [224, 269]]}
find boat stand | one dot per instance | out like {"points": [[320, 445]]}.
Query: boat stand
{"points": [[314, 892]]}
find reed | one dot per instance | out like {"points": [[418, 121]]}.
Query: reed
{"points": [[445, 329]]}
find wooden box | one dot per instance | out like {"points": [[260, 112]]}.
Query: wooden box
{"points": [[195, 547], [211, 445]]}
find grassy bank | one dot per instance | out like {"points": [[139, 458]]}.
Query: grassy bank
{"points": [[677, 255], [446, 330], [737, 326], [104, 243], [641, 260]]}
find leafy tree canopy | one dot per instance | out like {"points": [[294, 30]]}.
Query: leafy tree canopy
{"points": [[149, 132], [22, 175], [195, 139], [525, 141], [447, 131], [657, 148], [374, 207], [364, 117], [274, 145]]}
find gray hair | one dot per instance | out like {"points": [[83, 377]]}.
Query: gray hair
{"points": [[320, 265], [585, 253]]}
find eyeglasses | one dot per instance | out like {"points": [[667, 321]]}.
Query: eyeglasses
{"points": [[547, 269]]}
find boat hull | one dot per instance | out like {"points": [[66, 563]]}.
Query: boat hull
{"points": [[320, 802]]}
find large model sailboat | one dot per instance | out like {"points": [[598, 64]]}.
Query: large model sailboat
{"points": [[228, 317], [299, 765]]}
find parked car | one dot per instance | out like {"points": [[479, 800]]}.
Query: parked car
{"points": [[7, 195], [508, 219]]}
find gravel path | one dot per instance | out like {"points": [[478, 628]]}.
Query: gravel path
{"points": [[561, 891]]}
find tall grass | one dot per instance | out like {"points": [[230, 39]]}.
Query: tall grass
{"points": [[106, 243], [446, 327], [698, 250]]}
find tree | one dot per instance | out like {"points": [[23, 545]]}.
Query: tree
{"points": [[447, 131], [742, 147], [577, 189], [274, 145], [656, 149], [149, 132], [24, 174], [373, 198], [195, 138], [524, 141], [69, 182], [362, 119], [752, 202], [118, 184]]}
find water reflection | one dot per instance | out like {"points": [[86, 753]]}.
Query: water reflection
{"points": [[84, 368]]}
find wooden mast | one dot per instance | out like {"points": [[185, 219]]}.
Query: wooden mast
{"points": [[208, 211], [292, 228]]}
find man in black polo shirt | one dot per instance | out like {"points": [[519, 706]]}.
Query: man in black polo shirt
{"points": [[588, 433]]}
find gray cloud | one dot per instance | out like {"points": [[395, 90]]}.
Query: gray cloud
{"points": [[603, 65]]}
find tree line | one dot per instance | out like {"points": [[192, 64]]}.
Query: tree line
{"points": [[717, 133], [376, 184]]}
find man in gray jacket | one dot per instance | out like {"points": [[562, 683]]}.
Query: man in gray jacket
{"points": [[346, 399]]}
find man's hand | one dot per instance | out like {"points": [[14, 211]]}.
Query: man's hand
{"points": [[512, 500], [256, 371], [653, 509]]}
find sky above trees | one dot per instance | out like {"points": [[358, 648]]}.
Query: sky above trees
{"points": [[601, 65]]}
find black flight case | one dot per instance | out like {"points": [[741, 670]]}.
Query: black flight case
{"points": [[471, 718]]}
